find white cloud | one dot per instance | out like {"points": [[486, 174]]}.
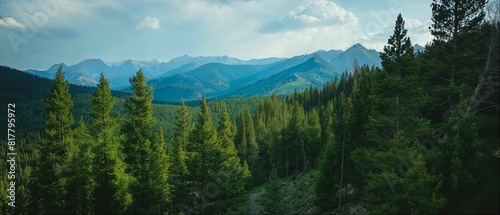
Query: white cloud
{"points": [[148, 22], [10, 22], [417, 31], [323, 13]]}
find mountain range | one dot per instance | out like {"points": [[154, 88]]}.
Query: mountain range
{"points": [[221, 76]]}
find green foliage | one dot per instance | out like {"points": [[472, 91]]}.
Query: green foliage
{"points": [[272, 200], [326, 182], [49, 187], [178, 169], [202, 148], [368, 133], [457, 52], [463, 165], [397, 94], [452, 18], [232, 175], [158, 179], [138, 131], [112, 194], [246, 143], [312, 139], [252, 150], [81, 179], [394, 129]]}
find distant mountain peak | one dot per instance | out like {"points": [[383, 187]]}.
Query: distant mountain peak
{"points": [[183, 57], [357, 46], [418, 48], [97, 60], [56, 66]]}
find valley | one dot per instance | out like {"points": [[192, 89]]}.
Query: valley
{"points": [[189, 77]]}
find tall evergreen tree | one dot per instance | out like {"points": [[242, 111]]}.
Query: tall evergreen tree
{"points": [[252, 150], [395, 129], [231, 174], [50, 174], [241, 137], [159, 182], [398, 95], [178, 169], [326, 181], [138, 130], [112, 183], [453, 18], [293, 140], [81, 181], [312, 136], [462, 161], [457, 49], [202, 150]]}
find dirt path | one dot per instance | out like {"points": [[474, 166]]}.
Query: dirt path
{"points": [[254, 206]]}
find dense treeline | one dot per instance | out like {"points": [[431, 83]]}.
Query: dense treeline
{"points": [[419, 135]]}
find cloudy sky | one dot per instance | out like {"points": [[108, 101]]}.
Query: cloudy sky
{"points": [[39, 33]]}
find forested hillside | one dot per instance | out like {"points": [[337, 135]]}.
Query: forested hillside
{"points": [[417, 135]]}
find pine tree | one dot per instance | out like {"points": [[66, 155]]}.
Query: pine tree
{"points": [[178, 169], [138, 130], [159, 182], [202, 150], [358, 107], [252, 150], [265, 142], [241, 137], [231, 173], [326, 181], [112, 183], [462, 161], [312, 136], [81, 181], [53, 155], [457, 49], [452, 18], [397, 94], [395, 128], [293, 139]]}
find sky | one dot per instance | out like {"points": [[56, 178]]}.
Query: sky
{"points": [[35, 34]]}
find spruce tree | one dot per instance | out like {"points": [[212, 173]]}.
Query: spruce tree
{"points": [[112, 183], [461, 159], [395, 128], [240, 138], [159, 182], [397, 95], [178, 169], [312, 136], [82, 182], [326, 181], [202, 151], [252, 150], [457, 50], [138, 131], [293, 140], [52, 156], [231, 173], [453, 18]]}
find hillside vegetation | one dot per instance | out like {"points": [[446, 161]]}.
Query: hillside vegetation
{"points": [[418, 135]]}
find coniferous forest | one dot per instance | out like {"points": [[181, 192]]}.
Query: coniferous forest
{"points": [[417, 136]]}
